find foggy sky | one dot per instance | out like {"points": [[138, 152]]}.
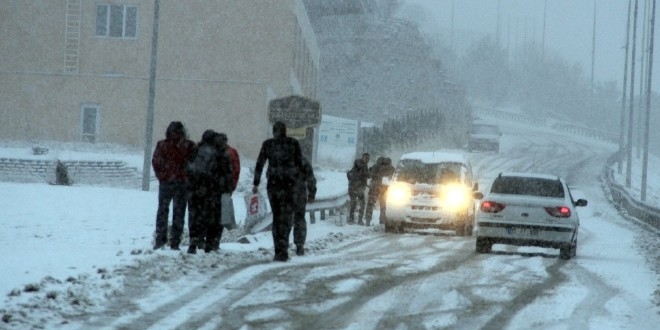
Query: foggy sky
{"points": [[568, 28]]}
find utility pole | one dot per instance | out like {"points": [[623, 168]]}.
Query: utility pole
{"points": [[593, 57], [645, 161], [632, 93], [642, 81], [545, 14], [497, 29], [452, 26], [625, 87], [146, 167]]}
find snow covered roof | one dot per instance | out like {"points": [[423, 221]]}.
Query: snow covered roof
{"points": [[531, 175]]}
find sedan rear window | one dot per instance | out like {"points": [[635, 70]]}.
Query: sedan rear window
{"points": [[528, 186]]}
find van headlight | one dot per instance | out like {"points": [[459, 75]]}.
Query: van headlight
{"points": [[398, 193], [455, 197]]}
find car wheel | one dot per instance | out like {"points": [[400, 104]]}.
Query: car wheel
{"points": [[565, 252], [484, 245], [569, 251]]}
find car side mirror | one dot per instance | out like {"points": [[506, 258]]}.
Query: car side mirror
{"points": [[477, 195], [581, 202]]}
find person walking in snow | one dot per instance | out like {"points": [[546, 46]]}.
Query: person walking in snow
{"points": [[209, 176], [284, 157], [168, 161], [305, 193], [235, 161], [377, 190], [357, 183]]}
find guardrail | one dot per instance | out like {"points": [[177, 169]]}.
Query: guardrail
{"points": [[327, 205], [645, 213]]}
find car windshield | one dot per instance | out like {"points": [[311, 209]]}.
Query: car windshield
{"points": [[485, 129], [528, 186], [415, 171]]}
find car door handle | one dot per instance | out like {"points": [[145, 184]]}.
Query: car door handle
{"points": [[524, 214]]}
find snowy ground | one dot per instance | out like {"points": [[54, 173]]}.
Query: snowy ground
{"points": [[65, 250]]}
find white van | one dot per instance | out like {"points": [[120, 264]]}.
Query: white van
{"points": [[432, 190]]}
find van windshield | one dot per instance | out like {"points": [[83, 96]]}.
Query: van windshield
{"points": [[414, 171]]}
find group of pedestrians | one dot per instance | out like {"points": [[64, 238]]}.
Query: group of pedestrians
{"points": [[196, 175], [193, 176], [361, 176]]}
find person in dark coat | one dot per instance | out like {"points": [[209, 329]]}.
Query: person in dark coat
{"points": [[209, 176], [62, 174], [305, 193], [284, 157], [377, 191], [235, 161], [357, 183], [168, 161]]}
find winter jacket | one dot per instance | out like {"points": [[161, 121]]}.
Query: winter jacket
{"points": [[306, 182], [357, 176], [236, 165], [210, 169], [383, 168], [171, 154], [284, 157]]}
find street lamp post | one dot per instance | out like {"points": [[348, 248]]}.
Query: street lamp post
{"points": [[146, 167]]}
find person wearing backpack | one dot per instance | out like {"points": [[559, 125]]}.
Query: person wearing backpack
{"points": [[209, 176], [357, 183], [377, 190], [284, 157], [168, 161]]}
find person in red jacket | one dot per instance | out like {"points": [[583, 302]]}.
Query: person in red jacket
{"points": [[169, 161], [235, 161]]}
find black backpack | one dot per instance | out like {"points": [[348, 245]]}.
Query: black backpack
{"points": [[204, 164]]}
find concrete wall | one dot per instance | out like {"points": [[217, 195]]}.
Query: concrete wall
{"points": [[219, 63]]}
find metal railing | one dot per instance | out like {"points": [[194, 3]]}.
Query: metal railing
{"points": [[623, 201]]}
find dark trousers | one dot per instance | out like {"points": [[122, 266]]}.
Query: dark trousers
{"points": [[170, 192], [377, 195], [204, 219], [357, 202], [299, 222], [281, 202]]}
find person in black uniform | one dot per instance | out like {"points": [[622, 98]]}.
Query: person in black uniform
{"points": [[377, 190], [357, 183], [284, 157], [305, 193], [209, 176]]}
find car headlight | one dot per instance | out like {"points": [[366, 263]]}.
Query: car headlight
{"points": [[398, 193], [455, 197]]}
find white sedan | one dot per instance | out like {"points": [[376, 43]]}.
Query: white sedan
{"points": [[529, 210]]}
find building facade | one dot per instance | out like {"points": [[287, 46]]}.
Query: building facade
{"points": [[79, 70]]}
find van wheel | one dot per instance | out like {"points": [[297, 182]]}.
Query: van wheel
{"points": [[391, 226], [483, 245]]}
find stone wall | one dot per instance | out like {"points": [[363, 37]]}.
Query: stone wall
{"points": [[114, 173]]}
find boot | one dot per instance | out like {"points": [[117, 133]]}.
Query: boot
{"points": [[300, 250], [192, 249]]}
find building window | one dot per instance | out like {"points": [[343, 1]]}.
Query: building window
{"points": [[89, 123], [116, 21]]}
